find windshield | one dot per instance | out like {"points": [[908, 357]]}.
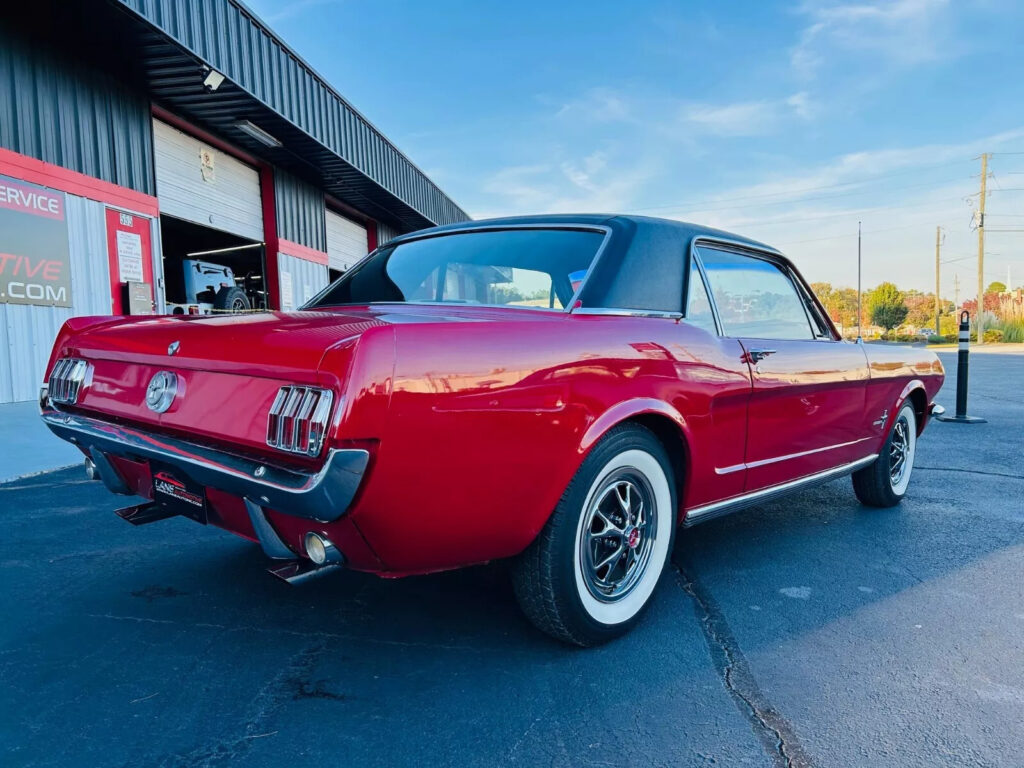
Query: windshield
{"points": [[512, 267]]}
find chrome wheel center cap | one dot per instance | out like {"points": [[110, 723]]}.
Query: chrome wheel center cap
{"points": [[633, 538]]}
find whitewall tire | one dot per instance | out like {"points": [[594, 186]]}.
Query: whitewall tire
{"points": [[591, 572], [884, 482]]}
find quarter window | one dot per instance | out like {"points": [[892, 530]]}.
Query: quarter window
{"points": [[698, 308], [754, 297]]}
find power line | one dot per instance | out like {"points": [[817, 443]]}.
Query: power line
{"points": [[840, 237], [797, 200], [862, 180], [855, 212]]}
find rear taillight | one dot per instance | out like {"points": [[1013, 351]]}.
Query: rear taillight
{"points": [[297, 421], [66, 380]]}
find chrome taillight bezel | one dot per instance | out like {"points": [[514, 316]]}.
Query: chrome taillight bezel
{"points": [[68, 379], [298, 419]]}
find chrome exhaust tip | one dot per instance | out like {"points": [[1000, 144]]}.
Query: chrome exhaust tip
{"points": [[321, 550], [90, 470]]}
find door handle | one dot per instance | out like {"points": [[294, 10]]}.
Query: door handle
{"points": [[758, 354]]}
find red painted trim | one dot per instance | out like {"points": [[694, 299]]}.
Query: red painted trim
{"points": [[141, 227], [371, 236], [346, 210], [195, 132], [270, 236], [48, 175], [300, 251]]}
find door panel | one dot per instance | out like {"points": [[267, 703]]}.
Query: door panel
{"points": [[806, 409]]}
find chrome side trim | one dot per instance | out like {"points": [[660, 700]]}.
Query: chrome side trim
{"points": [[323, 495], [719, 508], [628, 312], [787, 457]]}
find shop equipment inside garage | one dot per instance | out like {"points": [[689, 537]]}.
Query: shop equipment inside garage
{"points": [[177, 157]]}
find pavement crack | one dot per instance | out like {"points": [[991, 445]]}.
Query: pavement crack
{"points": [[771, 728], [970, 471]]}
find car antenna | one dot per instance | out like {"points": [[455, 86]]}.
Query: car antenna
{"points": [[860, 339]]}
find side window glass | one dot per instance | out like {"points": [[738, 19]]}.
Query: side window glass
{"points": [[698, 308], [754, 297]]}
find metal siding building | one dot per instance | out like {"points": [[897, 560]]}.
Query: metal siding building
{"points": [[78, 118], [103, 104], [300, 211]]}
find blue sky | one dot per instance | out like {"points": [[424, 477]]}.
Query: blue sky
{"points": [[784, 121]]}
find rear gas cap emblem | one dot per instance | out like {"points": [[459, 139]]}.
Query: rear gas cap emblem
{"points": [[173, 347], [161, 391]]}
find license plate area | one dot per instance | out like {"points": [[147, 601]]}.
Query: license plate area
{"points": [[177, 492]]}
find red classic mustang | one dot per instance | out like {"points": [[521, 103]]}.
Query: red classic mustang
{"points": [[564, 391]]}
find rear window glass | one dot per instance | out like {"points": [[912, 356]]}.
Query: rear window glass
{"points": [[519, 268]]}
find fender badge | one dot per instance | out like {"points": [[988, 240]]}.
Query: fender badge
{"points": [[173, 347]]}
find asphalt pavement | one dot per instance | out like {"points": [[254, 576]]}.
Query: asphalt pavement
{"points": [[808, 632]]}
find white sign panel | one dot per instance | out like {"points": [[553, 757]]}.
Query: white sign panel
{"points": [[287, 296], [129, 257]]}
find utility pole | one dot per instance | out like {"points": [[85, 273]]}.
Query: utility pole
{"points": [[981, 251], [956, 291], [859, 337], [938, 243]]}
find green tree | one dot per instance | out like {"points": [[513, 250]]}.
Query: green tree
{"points": [[996, 287], [886, 307], [920, 308]]}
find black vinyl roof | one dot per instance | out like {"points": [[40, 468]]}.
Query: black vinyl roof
{"points": [[642, 265]]}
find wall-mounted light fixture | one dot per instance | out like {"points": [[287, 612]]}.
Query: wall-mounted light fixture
{"points": [[212, 80], [254, 131]]}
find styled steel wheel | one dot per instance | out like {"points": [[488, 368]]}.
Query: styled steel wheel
{"points": [[619, 533], [591, 572], [884, 482]]}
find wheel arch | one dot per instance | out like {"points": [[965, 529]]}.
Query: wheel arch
{"points": [[915, 392], [665, 422]]}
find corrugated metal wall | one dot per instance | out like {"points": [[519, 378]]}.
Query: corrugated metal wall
{"points": [[385, 233], [300, 211], [230, 39], [307, 279], [27, 332], [61, 112]]}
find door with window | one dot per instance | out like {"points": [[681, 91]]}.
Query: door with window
{"points": [[806, 412]]}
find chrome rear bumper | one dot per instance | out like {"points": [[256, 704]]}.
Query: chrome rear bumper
{"points": [[323, 495]]}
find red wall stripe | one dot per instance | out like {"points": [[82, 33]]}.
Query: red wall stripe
{"points": [[371, 236], [300, 251], [270, 236], [48, 175]]}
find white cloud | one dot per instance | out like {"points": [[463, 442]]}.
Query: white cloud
{"points": [[900, 195], [889, 31], [746, 118], [598, 105]]}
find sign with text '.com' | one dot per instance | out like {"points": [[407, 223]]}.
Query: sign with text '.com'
{"points": [[35, 261]]}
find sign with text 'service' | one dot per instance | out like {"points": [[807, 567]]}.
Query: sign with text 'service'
{"points": [[35, 260]]}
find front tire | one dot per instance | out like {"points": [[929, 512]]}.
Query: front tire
{"points": [[592, 570], [883, 483]]}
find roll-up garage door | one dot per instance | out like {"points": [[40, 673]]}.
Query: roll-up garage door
{"points": [[346, 241], [203, 185]]}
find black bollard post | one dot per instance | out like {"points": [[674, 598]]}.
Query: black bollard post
{"points": [[962, 363]]}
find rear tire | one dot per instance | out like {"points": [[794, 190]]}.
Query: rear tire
{"points": [[591, 572], [231, 299], [883, 483]]}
